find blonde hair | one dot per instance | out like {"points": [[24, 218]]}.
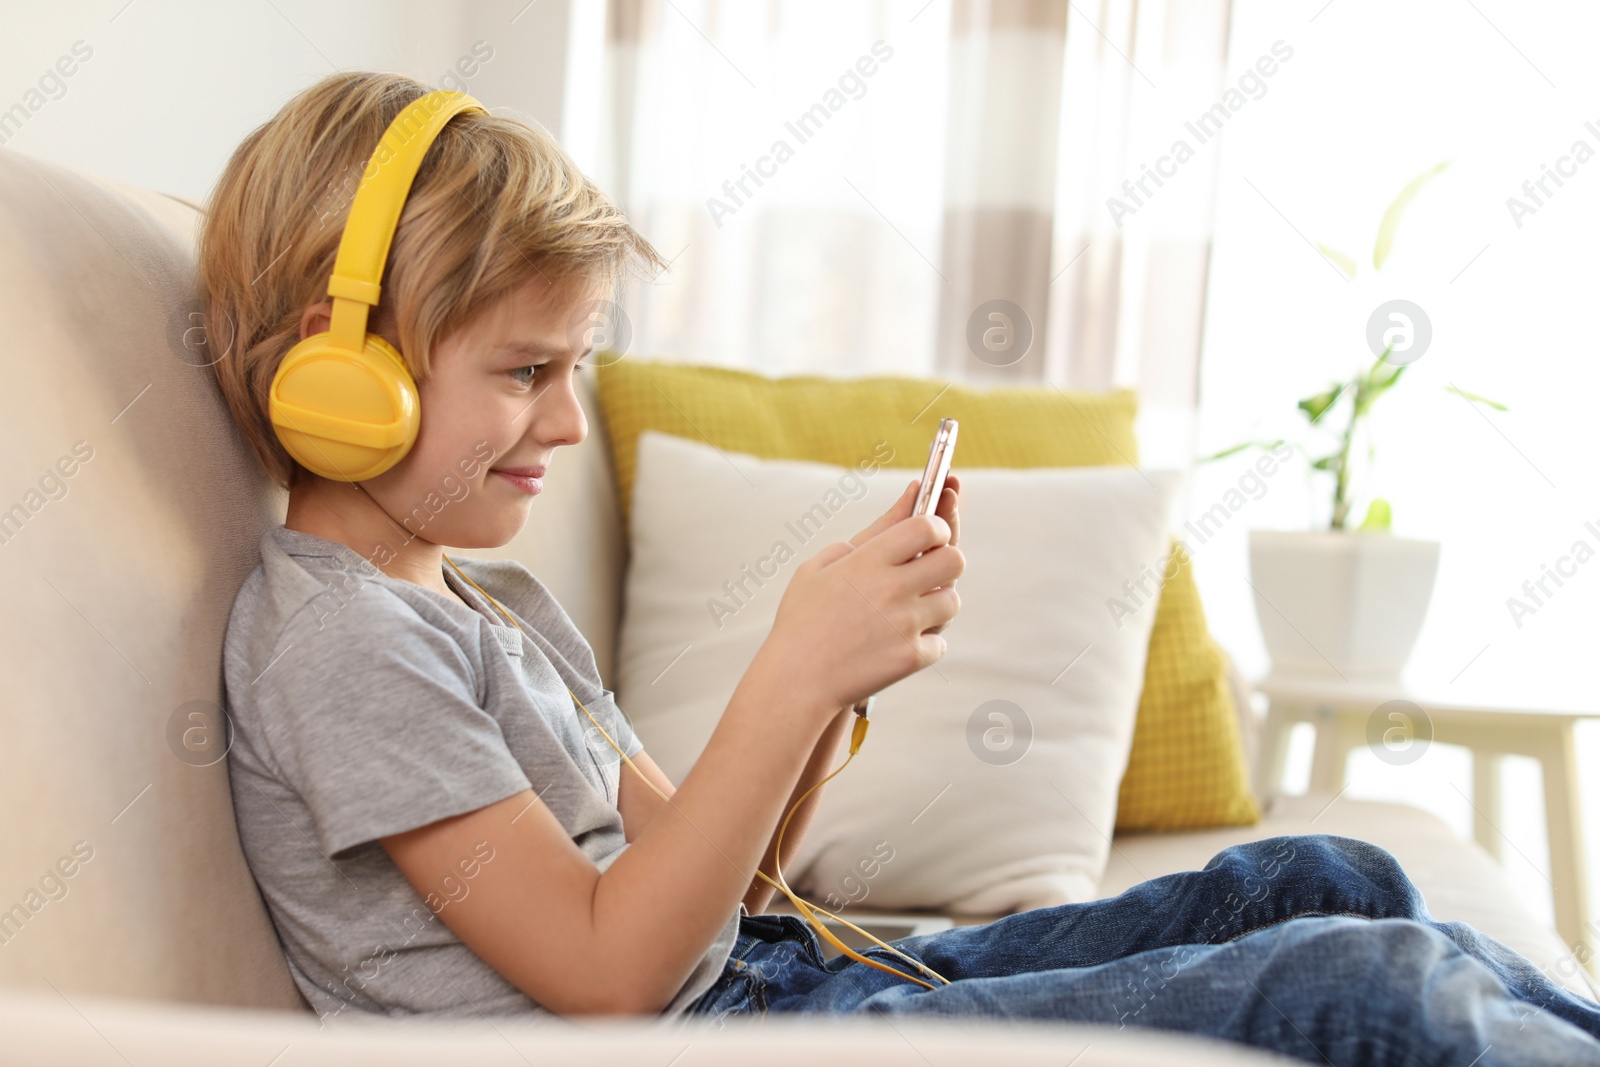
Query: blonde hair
{"points": [[495, 203]]}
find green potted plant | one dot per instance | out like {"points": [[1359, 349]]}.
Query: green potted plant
{"points": [[1350, 601]]}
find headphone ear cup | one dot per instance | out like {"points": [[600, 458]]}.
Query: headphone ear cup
{"points": [[344, 415]]}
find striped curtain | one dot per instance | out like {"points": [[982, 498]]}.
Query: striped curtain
{"points": [[962, 188]]}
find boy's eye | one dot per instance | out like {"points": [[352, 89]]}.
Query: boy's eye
{"points": [[517, 373]]}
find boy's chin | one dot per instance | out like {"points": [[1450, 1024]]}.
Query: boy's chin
{"points": [[489, 533]]}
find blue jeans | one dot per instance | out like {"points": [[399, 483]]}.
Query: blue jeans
{"points": [[1318, 948]]}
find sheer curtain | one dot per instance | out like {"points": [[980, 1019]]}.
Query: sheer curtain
{"points": [[1144, 105], [787, 157], [920, 187]]}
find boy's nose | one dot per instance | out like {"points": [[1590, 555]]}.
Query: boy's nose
{"points": [[561, 422]]}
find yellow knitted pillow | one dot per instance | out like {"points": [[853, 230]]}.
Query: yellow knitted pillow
{"points": [[1187, 766]]}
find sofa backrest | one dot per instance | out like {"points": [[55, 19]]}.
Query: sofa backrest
{"points": [[130, 512]]}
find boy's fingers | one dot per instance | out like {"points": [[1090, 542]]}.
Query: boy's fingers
{"points": [[905, 539], [948, 508], [900, 509]]}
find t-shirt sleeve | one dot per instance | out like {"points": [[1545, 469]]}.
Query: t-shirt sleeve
{"points": [[374, 720]]}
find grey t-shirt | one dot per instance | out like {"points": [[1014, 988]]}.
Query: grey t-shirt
{"points": [[365, 705]]}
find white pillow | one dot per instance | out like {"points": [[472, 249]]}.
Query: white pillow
{"points": [[988, 780]]}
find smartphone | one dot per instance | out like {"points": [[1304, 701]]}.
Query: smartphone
{"points": [[939, 456], [940, 453]]}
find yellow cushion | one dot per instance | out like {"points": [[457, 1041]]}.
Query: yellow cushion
{"points": [[1187, 766]]}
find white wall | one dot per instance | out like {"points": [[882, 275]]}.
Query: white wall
{"points": [[170, 87], [1376, 93]]}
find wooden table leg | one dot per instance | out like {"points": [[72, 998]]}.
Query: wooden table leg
{"points": [[1568, 861], [1331, 755], [1273, 758], [1486, 807]]}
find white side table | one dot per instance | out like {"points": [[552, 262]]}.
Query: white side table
{"points": [[1390, 715]]}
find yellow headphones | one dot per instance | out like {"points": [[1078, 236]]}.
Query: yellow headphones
{"points": [[343, 402], [344, 405]]}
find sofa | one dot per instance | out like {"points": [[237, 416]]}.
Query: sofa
{"points": [[130, 512]]}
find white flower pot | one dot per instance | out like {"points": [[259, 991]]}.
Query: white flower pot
{"points": [[1341, 604]]}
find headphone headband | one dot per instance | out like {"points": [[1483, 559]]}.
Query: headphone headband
{"points": [[375, 210]]}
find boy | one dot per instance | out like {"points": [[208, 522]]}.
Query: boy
{"points": [[414, 787]]}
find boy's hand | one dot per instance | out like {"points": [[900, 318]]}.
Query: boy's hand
{"points": [[948, 508], [860, 615]]}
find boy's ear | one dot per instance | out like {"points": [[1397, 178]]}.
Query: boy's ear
{"points": [[316, 319]]}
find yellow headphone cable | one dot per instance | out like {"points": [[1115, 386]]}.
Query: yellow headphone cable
{"points": [[808, 910]]}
